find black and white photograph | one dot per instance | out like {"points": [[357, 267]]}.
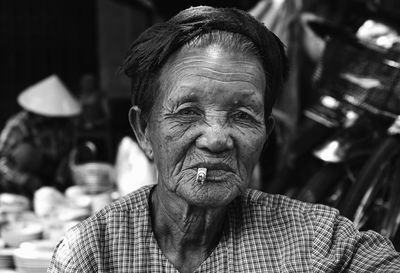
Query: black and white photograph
{"points": [[200, 136]]}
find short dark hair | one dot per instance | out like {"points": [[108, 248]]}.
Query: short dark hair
{"points": [[201, 26]]}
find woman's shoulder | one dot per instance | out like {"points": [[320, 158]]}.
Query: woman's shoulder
{"points": [[109, 228], [132, 205], [254, 199], [136, 200]]}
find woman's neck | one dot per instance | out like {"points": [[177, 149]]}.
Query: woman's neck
{"points": [[186, 234]]}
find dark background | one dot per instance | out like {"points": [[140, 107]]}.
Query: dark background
{"points": [[70, 39], [74, 38], [40, 38]]}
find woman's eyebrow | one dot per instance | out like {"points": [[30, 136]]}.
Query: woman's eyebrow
{"points": [[249, 104], [188, 94]]}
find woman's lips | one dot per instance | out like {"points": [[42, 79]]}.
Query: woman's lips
{"points": [[215, 175], [216, 171], [214, 167]]}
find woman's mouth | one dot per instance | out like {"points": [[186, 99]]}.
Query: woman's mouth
{"points": [[217, 166], [212, 172], [216, 175]]}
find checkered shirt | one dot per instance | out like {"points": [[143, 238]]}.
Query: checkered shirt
{"points": [[262, 233]]}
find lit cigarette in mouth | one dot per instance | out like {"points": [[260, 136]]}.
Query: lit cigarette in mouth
{"points": [[201, 175]]}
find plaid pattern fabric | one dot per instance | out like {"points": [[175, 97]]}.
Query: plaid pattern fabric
{"points": [[263, 233]]}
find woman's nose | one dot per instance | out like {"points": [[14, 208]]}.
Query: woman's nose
{"points": [[215, 139]]}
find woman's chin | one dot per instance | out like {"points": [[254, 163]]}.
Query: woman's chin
{"points": [[210, 194]]}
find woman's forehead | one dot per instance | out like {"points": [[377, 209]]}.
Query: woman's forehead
{"points": [[199, 68], [213, 51]]}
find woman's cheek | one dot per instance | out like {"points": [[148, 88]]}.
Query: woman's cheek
{"points": [[253, 141], [250, 151], [173, 147]]}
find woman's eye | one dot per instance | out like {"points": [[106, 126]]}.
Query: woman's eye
{"points": [[188, 112], [241, 115]]}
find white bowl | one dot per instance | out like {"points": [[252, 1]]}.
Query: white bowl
{"points": [[17, 233]]}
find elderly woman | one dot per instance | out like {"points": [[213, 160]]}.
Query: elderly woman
{"points": [[203, 86]]}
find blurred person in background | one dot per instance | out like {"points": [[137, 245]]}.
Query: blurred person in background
{"points": [[35, 143]]}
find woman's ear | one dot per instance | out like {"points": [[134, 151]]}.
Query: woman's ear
{"points": [[270, 125], [140, 130]]}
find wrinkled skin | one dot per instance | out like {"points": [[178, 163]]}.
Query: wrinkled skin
{"points": [[210, 113]]}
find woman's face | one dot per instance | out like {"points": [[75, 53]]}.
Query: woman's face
{"points": [[209, 113]]}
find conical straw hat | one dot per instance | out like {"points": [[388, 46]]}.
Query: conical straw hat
{"points": [[49, 97]]}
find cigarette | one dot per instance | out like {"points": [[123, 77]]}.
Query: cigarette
{"points": [[201, 175]]}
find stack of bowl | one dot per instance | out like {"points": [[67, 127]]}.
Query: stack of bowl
{"points": [[16, 233], [34, 256]]}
